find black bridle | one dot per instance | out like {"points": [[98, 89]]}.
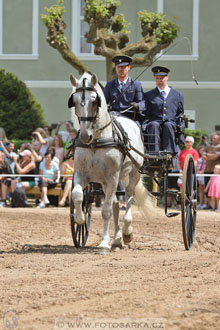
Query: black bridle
{"points": [[83, 89]]}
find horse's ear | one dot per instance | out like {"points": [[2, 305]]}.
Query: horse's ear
{"points": [[94, 80], [73, 81]]}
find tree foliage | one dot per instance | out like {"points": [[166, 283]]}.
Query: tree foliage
{"points": [[108, 32], [20, 113]]}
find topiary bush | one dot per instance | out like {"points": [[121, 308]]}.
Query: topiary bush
{"points": [[20, 113], [196, 133]]}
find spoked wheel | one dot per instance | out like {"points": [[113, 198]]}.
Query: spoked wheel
{"points": [[80, 233], [188, 202]]}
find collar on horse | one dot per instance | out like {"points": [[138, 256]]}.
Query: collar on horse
{"points": [[119, 140]]}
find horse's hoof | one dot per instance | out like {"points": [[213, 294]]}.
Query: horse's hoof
{"points": [[103, 251], [104, 245], [116, 244], [116, 248], [127, 238]]}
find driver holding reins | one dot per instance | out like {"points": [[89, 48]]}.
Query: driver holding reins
{"points": [[123, 92]]}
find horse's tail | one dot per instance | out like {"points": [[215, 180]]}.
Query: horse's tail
{"points": [[144, 199]]}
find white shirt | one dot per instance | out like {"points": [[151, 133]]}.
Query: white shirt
{"points": [[122, 82], [166, 90]]}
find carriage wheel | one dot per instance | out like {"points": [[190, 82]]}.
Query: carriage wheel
{"points": [[80, 233], [188, 202]]}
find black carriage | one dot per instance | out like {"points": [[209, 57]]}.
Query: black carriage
{"points": [[158, 166]]}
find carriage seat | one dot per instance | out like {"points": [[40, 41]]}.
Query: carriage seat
{"points": [[179, 136]]}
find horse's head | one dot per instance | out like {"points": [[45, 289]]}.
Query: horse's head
{"points": [[87, 100]]}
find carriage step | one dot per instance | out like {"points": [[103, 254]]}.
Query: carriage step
{"points": [[173, 192], [172, 214]]}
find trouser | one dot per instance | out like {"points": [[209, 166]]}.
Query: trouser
{"points": [[161, 136]]}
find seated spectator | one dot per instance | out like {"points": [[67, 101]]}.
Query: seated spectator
{"points": [[4, 181], [40, 135], [55, 158], [9, 154], [58, 146], [48, 131], [24, 164], [35, 149], [67, 169], [3, 138], [73, 134], [49, 170], [65, 135]]}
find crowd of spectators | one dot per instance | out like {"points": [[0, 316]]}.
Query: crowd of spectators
{"points": [[43, 162], [207, 163]]}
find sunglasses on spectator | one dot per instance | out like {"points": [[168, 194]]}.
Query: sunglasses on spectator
{"points": [[188, 141]]}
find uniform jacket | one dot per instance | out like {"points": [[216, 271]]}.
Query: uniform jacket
{"points": [[158, 109], [121, 101]]}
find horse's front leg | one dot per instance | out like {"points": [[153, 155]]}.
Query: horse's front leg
{"points": [[106, 214], [77, 196]]}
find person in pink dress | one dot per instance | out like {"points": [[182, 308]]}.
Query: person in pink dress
{"points": [[213, 188]]}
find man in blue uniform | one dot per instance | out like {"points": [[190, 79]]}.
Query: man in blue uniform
{"points": [[123, 92], [164, 108]]}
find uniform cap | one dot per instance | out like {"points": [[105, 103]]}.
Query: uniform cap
{"points": [[160, 71], [122, 60]]}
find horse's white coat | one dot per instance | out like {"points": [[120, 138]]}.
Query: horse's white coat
{"points": [[106, 165]]}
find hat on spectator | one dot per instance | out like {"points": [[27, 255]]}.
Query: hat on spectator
{"points": [[122, 60], [25, 152], [160, 71]]}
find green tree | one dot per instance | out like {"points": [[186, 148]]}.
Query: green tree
{"points": [[20, 113], [109, 34]]}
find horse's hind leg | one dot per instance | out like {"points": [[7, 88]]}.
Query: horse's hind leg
{"points": [[129, 193], [127, 229], [117, 242]]}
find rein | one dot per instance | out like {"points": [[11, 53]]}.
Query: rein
{"points": [[102, 128]]}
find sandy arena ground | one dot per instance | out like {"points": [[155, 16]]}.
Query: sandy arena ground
{"points": [[46, 281]]}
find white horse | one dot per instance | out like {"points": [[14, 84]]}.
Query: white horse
{"points": [[108, 164]]}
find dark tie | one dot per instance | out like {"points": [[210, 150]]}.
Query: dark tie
{"points": [[121, 86], [163, 94]]}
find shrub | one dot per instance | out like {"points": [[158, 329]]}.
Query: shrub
{"points": [[20, 113], [196, 133]]}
